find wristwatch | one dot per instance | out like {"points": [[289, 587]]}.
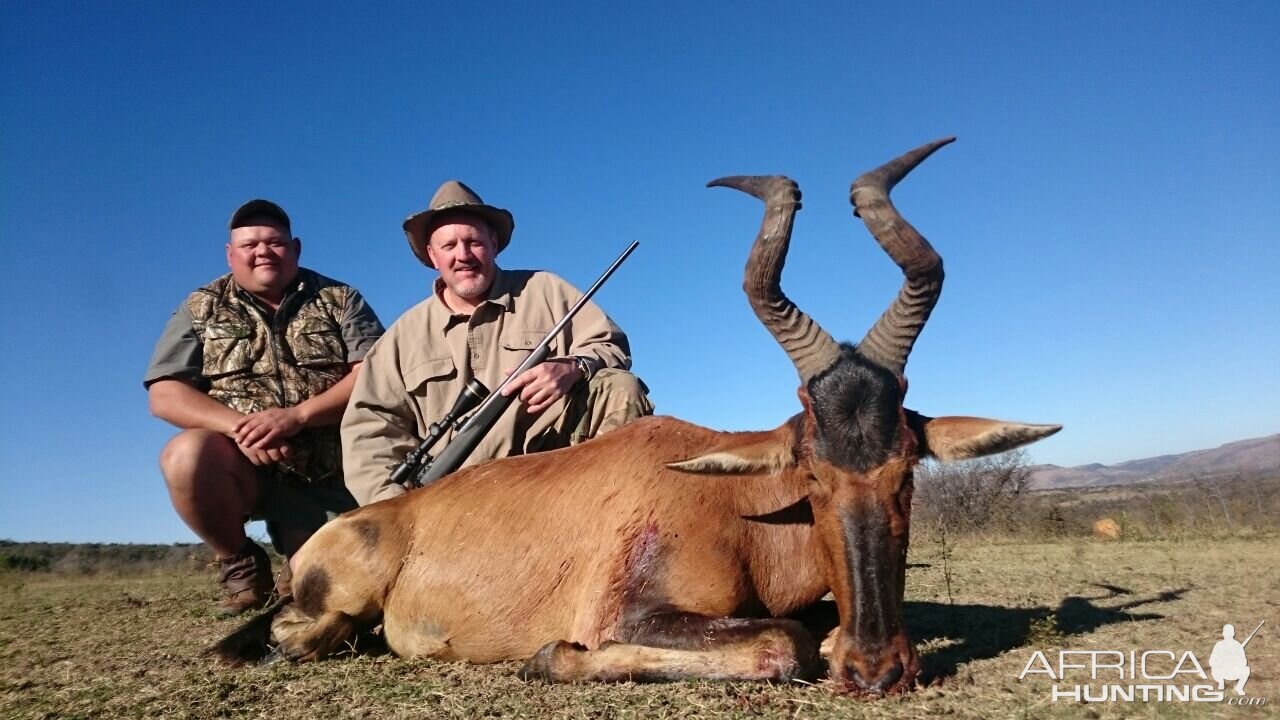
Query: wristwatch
{"points": [[584, 367]]}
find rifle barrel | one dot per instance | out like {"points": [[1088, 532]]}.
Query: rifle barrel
{"points": [[1255, 632], [546, 341], [487, 414]]}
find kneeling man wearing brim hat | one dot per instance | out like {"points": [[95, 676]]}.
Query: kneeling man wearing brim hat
{"points": [[482, 321]]}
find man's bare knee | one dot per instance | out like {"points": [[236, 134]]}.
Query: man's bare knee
{"points": [[212, 487], [192, 454]]}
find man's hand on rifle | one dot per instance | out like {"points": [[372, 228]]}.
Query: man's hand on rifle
{"points": [[541, 386]]}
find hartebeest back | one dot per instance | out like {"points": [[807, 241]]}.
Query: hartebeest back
{"points": [[666, 550]]}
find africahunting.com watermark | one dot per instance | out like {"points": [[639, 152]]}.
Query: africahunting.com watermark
{"points": [[1148, 675]]}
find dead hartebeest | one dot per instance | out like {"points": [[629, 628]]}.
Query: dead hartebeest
{"points": [[665, 550]]}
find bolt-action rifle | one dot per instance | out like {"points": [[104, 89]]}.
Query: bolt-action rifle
{"points": [[1255, 632], [419, 468]]}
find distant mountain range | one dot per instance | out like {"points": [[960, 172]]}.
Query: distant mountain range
{"points": [[1247, 456]]}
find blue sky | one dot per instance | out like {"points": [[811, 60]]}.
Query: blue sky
{"points": [[1108, 216]]}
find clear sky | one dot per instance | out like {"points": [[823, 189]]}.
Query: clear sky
{"points": [[1108, 216]]}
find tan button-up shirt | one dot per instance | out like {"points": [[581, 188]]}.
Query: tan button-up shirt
{"points": [[412, 376]]}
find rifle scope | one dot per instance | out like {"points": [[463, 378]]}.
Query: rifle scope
{"points": [[471, 396]]}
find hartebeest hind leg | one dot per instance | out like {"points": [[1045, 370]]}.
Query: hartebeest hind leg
{"points": [[302, 638], [678, 646], [337, 592]]}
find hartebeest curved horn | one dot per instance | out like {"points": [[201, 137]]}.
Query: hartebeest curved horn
{"points": [[810, 348], [888, 343]]}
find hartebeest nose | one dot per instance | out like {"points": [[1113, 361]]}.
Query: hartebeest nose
{"points": [[887, 679]]}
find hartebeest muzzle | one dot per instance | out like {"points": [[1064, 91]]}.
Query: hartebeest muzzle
{"points": [[872, 651]]}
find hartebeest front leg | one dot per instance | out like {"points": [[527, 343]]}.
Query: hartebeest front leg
{"points": [[680, 646]]}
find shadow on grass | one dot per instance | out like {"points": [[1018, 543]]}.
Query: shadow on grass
{"points": [[978, 632]]}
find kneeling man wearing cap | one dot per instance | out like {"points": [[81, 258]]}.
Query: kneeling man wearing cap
{"points": [[256, 368]]}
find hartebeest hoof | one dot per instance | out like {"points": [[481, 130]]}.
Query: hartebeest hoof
{"points": [[272, 657], [555, 662], [772, 189], [303, 638]]}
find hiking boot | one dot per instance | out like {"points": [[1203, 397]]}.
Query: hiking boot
{"points": [[246, 576], [284, 581]]}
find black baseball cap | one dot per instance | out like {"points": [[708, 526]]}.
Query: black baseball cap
{"points": [[259, 208]]}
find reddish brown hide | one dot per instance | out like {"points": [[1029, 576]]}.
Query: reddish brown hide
{"points": [[665, 550]]}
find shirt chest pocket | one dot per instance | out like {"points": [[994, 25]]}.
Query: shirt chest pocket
{"points": [[317, 342], [518, 344], [438, 372], [228, 349]]}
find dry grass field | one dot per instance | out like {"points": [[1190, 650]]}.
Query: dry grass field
{"points": [[128, 645]]}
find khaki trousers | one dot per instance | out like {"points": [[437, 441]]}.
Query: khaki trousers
{"points": [[610, 400]]}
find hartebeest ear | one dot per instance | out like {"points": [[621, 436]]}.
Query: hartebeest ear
{"points": [[745, 453], [962, 438]]}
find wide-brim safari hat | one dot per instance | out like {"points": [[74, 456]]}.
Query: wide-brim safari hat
{"points": [[455, 197]]}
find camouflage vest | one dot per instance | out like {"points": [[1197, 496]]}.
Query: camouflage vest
{"points": [[253, 361]]}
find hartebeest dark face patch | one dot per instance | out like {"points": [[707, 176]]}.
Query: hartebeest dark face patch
{"points": [[875, 565], [857, 407]]}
